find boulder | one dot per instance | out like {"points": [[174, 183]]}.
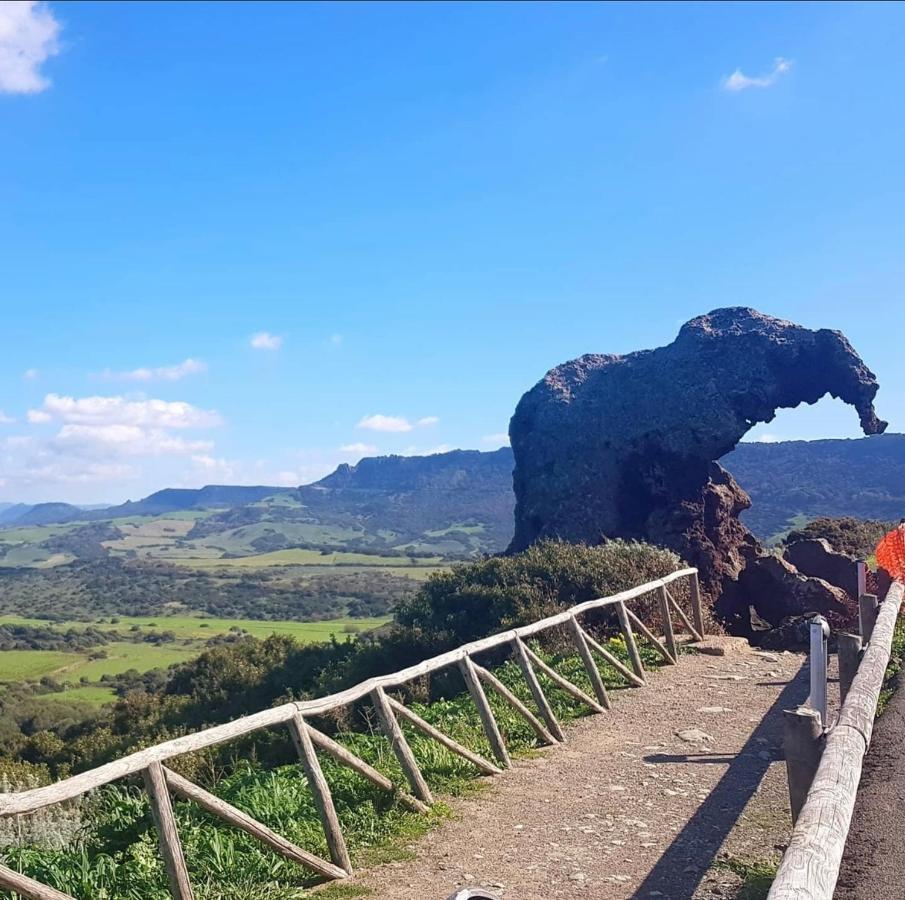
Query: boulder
{"points": [[611, 446], [815, 556]]}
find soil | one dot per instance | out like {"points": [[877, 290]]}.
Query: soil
{"points": [[871, 866], [626, 808]]}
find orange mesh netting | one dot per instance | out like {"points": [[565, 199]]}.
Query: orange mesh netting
{"points": [[891, 553]]}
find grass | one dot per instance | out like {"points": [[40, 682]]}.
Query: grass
{"points": [[89, 693], [191, 632], [19, 665], [757, 877]]}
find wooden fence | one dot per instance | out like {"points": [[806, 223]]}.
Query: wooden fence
{"points": [[162, 783], [824, 770]]}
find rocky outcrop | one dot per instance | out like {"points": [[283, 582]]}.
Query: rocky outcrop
{"points": [[627, 446], [816, 557]]}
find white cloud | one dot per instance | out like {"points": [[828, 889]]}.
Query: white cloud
{"points": [[365, 449], [30, 374], [264, 340], [120, 411], [5, 419], [336, 340], [380, 422], [161, 373], [500, 439], [738, 81], [124, 440], [28, 37], [396, 424], [429, 451], [288, 479]]}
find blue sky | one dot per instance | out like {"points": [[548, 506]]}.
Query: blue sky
{"points": [[418, 210]]}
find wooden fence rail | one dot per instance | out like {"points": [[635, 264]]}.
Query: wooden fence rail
{"points": [[161, 783], [810, 866]]}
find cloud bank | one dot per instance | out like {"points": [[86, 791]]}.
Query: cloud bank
{"points": [[28, 38]]}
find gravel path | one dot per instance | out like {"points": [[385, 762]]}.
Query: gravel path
{"points": [[872, 866], [627, 808]]}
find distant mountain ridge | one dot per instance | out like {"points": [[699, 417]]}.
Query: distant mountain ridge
{"points": [[862, 477], [461, 501]]}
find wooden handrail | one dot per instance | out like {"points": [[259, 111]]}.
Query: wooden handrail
{"points": [[12, 804], [810, 866], [160, 781]]}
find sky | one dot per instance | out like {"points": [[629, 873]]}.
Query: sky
{"points": [[243, 243]]}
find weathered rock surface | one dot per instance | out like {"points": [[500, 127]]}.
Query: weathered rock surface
{"points": [[627, 446], [817, 558]]}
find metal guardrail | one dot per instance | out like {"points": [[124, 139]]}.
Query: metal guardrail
{"points": [[824, 768], [161, 783]]}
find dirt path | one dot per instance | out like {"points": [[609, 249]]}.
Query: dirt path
{"points": [[872, 866], [626, 808]]}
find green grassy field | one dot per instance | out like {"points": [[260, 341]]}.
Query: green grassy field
{"points": [[191, 632], [202, 627], [19, 665]]}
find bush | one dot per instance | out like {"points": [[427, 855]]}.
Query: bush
{"points": [[480, 598], [857, 537]]}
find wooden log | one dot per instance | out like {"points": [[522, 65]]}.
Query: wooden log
{"points": [[617, 664], [633, 654], [571, 689], [849, 653], [36, 798], [868, 607], [167, 833], [589, 665], [539, 728], [654, 641], [697, 611], [537, 691], [488, 722], [697, 635], [323, 799], [357, 764], [488, 768], [27, 887], [666, 616], [802, 733], [810, 865], [238, 819], [400, 746]]}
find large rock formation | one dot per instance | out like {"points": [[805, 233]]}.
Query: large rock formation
{"points": [[627, 446]]}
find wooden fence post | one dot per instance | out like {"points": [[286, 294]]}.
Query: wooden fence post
{"points": [[488, 722], [589, 665], [633, 654], [666, 616], [849, 653], [802, 733], [167, 834], [537, 692], [400, 746], [868, 608], [697, 612], [323, 799]]}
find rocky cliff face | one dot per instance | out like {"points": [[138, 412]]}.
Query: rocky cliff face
{"points": [[626, 446]]}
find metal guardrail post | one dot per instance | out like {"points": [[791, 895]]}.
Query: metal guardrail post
{"points": [[820, 631]]}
